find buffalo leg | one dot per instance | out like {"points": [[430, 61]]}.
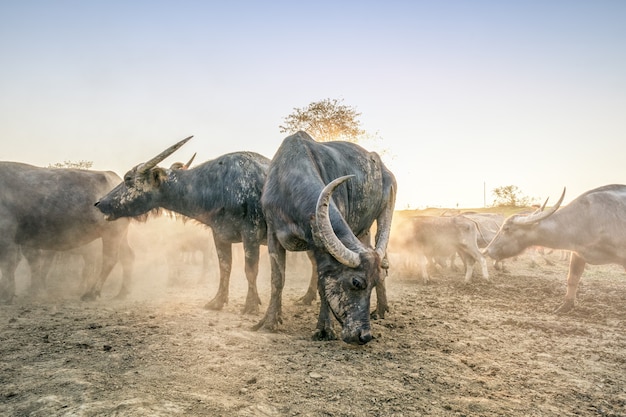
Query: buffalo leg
{"points": [[253, 301], [225, 259], [483, 267], [468, 263], [311, 292], [273, 315], [9, 258], [381, 298], [88, 273], [576, 268], [324, 329], [127, 259], [40, 262], [110, 251], [476, 256], [423, 266]]}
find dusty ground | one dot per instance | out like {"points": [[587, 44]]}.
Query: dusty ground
{"points": [[446, 349]]}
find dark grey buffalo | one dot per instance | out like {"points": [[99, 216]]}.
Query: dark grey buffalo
{"points": [[43, 210], [592, 227], [302, 216], [223, 193]]}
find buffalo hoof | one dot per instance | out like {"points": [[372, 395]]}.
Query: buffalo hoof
{"points": [[566, 307], [252, 303], [251, 308], [324, 335], [122, 294], [215, 304], [375, 315], [268, 324], [89, 296], [379, 313], [307, 299]]}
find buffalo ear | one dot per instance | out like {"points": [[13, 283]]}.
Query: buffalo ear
{"points": [[158, 176]]}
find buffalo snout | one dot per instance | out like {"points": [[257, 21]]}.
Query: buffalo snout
{"points": [[359, 337]]}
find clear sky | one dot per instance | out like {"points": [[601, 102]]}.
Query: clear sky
{"points": [[467, 95]]}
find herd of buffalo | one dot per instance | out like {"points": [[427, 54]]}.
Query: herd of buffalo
{"points": [[322, 198]]}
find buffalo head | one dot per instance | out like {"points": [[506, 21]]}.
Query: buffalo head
{"points": [[140, 191], [346, 276], [518, 232]]}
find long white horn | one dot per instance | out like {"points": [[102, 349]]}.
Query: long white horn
{"points": [[540, 215], [326, 233], [154, 161]]}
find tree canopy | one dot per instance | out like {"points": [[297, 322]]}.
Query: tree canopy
{"points": [[510, 196], [325, 120]]}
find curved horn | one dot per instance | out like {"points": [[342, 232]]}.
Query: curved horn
{"points": [[383, 225], [540, 214], [326, 233], [154, 161], [188, 164]]}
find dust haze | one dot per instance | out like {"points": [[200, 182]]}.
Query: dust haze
{"points": [[445, 349], [170, 251]]}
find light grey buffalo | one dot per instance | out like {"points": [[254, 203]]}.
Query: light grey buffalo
{"points": [[592, 227], [433, 238], [43, 210], [487, 225]]}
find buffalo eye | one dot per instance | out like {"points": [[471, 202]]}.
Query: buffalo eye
{"points": [[359, 283]]}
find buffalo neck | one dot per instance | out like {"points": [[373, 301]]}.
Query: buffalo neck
{"points": [[180, 193], [556, 232]]}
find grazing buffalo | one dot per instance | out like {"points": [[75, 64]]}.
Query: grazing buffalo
{"points": [[592, 227], [43, 210], [223, 193], [302, 216], [434, 238], [488, 225]]}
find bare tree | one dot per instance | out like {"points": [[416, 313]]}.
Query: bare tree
{"points": [[325, 120]]}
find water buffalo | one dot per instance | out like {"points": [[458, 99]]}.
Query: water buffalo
{"points": [[592, 227], [302, 216], [434, 237], [51, 209], [223, 193], [488, 225]]}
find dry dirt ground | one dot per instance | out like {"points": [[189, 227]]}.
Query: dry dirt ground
{"points": [[445, 349]]}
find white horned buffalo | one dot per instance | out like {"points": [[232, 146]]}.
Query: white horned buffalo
{"points": [[592, 227], [302, 216], [434, 238]]}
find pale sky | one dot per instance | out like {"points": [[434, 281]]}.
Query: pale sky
{"points": [[466, 95]]}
